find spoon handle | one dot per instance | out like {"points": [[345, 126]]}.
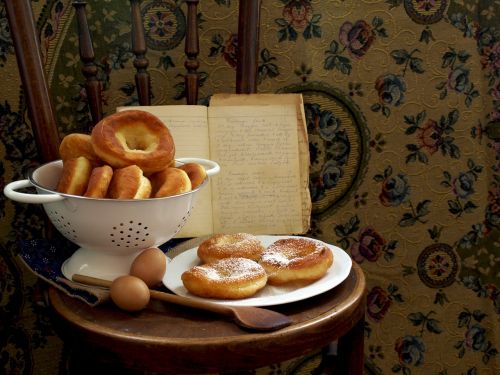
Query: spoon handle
{"points": [[193, 303], [89, 280], [167, 297]]}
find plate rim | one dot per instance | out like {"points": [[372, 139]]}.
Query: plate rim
{"points": [[272, 300]]}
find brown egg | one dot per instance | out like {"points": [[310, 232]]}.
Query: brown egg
{"points": [[129, 293], [149, 266]]}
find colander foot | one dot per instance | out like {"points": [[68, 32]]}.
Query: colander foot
{"points": [[97, 264]]}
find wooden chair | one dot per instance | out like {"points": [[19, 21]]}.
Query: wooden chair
{"points": [[27, 48], [166, 338]]}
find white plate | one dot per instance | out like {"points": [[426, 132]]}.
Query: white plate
{"points": [[270, 295]]}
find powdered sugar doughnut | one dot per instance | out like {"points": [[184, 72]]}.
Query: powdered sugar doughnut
{"points": [[229, 278], [300, 260], [237, 245]]}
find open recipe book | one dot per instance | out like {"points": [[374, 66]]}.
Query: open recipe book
{"points": [[260, 142]]}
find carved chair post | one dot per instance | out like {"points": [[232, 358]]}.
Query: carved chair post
{"points": [[248, 46], [141, 63], [34, 81], [192, 49], [92, 85]]}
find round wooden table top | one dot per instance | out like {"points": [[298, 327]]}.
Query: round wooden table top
{"points": [[170, 338]]}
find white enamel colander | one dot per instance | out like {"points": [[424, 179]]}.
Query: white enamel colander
{"points": [[110, 232]]}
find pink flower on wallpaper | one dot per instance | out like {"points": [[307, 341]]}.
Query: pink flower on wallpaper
{"points": [[369, 246], [298, 13], [429, 136], [495, 90], [357, 37], [378, 303], [490, 56], [495, 115], [494, 199]]}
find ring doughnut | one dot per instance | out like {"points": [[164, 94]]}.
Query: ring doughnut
{"points": [[76, 144], [239, 245], [99, 181], [75, 176], [170, 181], [299, 260], [196, 173], [129, 183], [133, 137], [230, 278]]}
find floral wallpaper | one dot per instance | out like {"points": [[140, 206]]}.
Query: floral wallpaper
{"points": [[402, 106]]}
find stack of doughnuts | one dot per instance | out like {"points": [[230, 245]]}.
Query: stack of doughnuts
{"points": [[235, 266], [128, 155]]}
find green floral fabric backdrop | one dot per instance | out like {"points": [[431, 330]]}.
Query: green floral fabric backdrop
{"points": [[402, 105]]}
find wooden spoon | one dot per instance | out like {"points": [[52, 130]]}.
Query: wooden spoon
{"points": [[246, 316]]}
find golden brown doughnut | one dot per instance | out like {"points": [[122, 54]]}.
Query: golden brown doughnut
{"points": [[75, 176], [77, 144], [129, 183], [170, 181], [237, 245], [229, 278], [133, 137], [99, 181], [300, 260], [196, 172]]}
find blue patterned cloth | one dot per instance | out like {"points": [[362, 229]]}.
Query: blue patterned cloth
{"points": [[45, 259]]}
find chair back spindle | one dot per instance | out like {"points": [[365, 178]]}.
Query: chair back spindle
{"points": [[139, 48], [247, 53], [93, 87], [248, 46], [192, 49], [36, 90]]}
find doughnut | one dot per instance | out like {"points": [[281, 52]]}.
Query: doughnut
{"points": [[229, 278], [129, 183], [99, 181], [170, 181], [196, 173], [75, 176], [239, 245], [77, 144], [133, 137], [300, 260]]}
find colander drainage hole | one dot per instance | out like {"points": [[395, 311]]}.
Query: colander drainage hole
{"points": [[129, 234], [63, 225], [183, 221]]}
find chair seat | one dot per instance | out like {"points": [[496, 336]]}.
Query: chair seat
{"points": [[172, 339]]}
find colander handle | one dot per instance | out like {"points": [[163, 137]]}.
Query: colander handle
{"points": [[211, 167], [11, 193]]}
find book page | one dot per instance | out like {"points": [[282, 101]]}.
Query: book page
{"points": [[303, 141], [189, 128], [258, 188]]}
